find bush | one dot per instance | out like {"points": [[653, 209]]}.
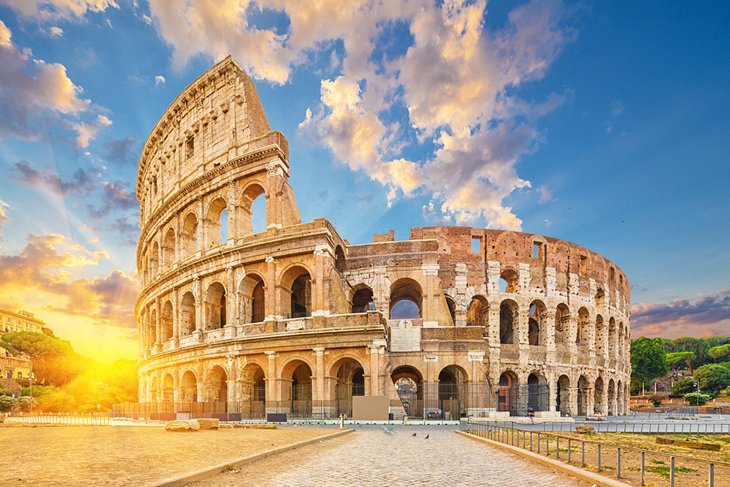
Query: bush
{"points": [[7, 404], [657, 403], [696, 399], [682, 387]]}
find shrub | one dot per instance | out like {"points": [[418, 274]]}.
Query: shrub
{"points": [[7, 404], [696, 399], [682, 387]]}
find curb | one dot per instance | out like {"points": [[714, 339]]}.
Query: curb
{"points": [[211, 471], [591, 477]]}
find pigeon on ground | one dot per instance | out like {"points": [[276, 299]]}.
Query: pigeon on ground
{"points": [[387, 430], [413, 434], [428, 436]]}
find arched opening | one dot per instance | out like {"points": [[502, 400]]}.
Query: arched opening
{"points": [[451, 304], [189, 235], [582, 396], [598, 396], [535, 321], [508, 397], [620, 347], [153, 328], [252, 293], [154, 269], [583, 335], [153, 390], [166, 321], [297, 283], [299, 395], [168, 389], [507, 321], [405, 299], [168, 249], [619, 399], [350, 382], [476, 312], [600, 298], [452, 392], [612, 338], [189, 388], [562, 324], [509, 281], [408, 383], [339, 259], [187, 314], [537, 392], [253, 401], [562, 401], [611, 398], [600, 336], [217, 234], [215, 306], [253, 210], [361, 299], [217, 389]]}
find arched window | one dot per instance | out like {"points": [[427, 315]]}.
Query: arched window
{"points": [[166, 319], [168, 249], [507, 321], [476, 312], [187, 314], [215, 306], [253, 210], [536, 323], [217, 214], [189, 235], [509, 281], [452, 309], [405, 299], [361, 299], [297, 283]]}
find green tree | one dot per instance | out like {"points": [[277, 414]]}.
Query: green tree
{"points": [[712, 378], [53, 360], [720, 352], [648, 361], [676, 360], [683, 386]]}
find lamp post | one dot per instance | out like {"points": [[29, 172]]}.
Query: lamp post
{"points": [[697, 385]]}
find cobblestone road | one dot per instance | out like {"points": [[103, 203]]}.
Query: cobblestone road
{"points": [[374, 457]]}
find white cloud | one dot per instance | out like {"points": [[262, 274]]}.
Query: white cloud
{"points": [[56, 31], [87, 131], [44, 10], [159, 80], [4, 207], [5, 36]]}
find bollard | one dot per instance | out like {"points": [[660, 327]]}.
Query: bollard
{"points": [[539, 441], [530, 440], [618, 463], [599, 457], [582, 453], [643, 468], [557, 447], [512, 434], [671, 471], [570, 449], [711, 480], [524, 444]]}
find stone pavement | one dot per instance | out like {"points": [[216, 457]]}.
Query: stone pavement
{"points": [[371, 456]]}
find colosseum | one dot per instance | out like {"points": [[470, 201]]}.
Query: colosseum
{"points": [[291, 318]]}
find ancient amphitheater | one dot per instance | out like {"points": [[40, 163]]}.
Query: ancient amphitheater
{"points": [[294, 319]]}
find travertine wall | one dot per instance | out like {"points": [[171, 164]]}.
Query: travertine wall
{"points": [[227, 314]]}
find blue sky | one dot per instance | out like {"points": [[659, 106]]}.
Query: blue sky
{"points": [[603, 123]]}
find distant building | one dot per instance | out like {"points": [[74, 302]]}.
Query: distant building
{"points": [[20, 321]]}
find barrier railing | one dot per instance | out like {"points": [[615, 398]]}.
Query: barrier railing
{"points": [[90, 419]]}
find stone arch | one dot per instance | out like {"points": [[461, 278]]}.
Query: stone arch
{"points": [[508, 396], [153, 328], [189, 387], [349, 373], [297, 390], [537, 392], [509, 281], [296, 284], [562, 401], [582, 336], [508, 321], [600, 336], [252, 298], [154, 393], [619, 398], [249, 203], [187, 314], [168, 249], [583, 386], [216, 385], [477, 311], [362, 296], [405, 291], [536, 321], [189, 235], [168, 388], [562, 324], [215, 306], [620, 349], [166, 321], [613, 347], [611, 397], [600, 298], [452, 391], [598, 396], [253, 390], [216, 228], [451, 306], [154, 263], [339, 259], [408, 382]]}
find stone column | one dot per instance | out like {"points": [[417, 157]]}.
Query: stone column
{"points": [[176, 318], [549, 331], [272, 297], [230, 325], [430, 308], [272, 379], [319, 304], [199, 305], [275, 173], [158, 325], [202, 239], [552, 393], [230, 392], [232, 212], [318, 393], [460, 298]]}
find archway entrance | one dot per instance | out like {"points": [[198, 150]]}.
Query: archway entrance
{"points": [[217, 390], [562, 401], [253, 400], [451, 393], [299, 393], [611, 397], [598, 396], [350, 382], [409, 386], [582, 396], [537, 393], [508, 397]]}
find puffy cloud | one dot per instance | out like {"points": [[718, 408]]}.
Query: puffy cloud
{"points": [[24, 172], [56, 31], [58, 9], [116, 197], [44, 275], [122, 151], [34, 92], [3, 217], [159, 80], [456, 80], [706, 315]]}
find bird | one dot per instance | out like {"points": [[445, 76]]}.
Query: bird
{"points": [[428, 435], [413, 434], [387, 430]]}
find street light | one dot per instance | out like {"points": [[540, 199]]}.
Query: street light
{"points": [[697, 385]]}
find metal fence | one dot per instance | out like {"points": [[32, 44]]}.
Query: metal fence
{"points": [[627, 426], [633, 465], [90, 419]]}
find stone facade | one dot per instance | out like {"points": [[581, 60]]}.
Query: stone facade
{"points": [[20, 321], [294, 319]]}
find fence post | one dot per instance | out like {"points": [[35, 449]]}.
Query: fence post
{"points": [[711, 481], [582, 453], [557, 447], [671, 471], [618, 463], [599, 457], [530, 440], [643, 467], [569, 449], [538, 443]]}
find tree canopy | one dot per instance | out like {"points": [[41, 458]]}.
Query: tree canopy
{"points": [[712, 378], [648, 361]]}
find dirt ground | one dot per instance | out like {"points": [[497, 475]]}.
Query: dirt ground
{"points": [[128, 455]]}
